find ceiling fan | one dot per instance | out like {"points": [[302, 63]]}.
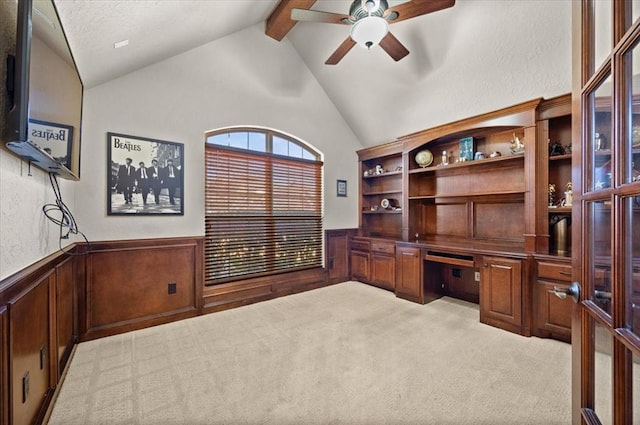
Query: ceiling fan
{"points": [[369, 20]]}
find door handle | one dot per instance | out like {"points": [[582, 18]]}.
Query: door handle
{"points": [[573, 291]]}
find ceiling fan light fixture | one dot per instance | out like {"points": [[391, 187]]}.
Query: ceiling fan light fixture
{"points": [[369, 31], [370, 5]]}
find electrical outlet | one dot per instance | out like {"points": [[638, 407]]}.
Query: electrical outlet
{"points": [[172, 288], [477, 276]]}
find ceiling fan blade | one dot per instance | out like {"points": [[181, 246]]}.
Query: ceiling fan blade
{"points": [[414, 8], [393, 47], [342, 50], [318, 16]]}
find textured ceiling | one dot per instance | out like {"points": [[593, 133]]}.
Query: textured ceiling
{"points": [[156, 30], [475, 57]]}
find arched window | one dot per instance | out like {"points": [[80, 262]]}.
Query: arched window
{"points": [[263, 204]]}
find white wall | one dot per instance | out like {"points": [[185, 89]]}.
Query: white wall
{"points": [[25, 234], [243, 79]]}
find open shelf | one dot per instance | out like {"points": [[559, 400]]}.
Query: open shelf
{"points": [[383, 212], [476, 162], [560, 157], [467, 195], [559, 210], [382, 192], [386, 174]]}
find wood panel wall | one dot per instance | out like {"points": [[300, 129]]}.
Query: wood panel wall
{"points": [[136, 284], [38, 331]]}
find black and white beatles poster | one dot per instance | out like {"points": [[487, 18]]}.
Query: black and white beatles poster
{"points": [[145, 176]]}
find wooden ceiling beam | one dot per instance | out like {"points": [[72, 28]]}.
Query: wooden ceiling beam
{"points": [[279, 22]]}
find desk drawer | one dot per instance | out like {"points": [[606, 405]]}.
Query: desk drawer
{"points": [[554, 271], [360, 245], [384, 247]]}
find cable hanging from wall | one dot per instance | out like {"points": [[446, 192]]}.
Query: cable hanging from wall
{"points": [[64, 218]]}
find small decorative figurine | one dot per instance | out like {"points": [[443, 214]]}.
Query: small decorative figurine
{"points": [[568, 194], [445, 158], [552, 194], [516, 145], [556, 149], [600, 142], [379, 169], [567, 149]]}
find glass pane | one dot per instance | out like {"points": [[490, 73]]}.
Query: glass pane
{"points": [[219, 139], [599, 143], [308, 155], [239, 140], [603, 30], [603, 374], [280, 146], [632, 156], [258, 142], [295, 150], [635, 10], [600, 223], [632, 261]]}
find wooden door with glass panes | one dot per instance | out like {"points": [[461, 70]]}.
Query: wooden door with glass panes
{"points": [[606, 247]]}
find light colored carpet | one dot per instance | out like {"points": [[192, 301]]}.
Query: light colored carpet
{"points": [[345, 354]]}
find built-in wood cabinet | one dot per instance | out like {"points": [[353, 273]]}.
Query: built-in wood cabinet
{"points": [[381, 191], [337, 254], [496, 194], [552, 308], [373, 261], [383, 264], [554, 184], [501, 290], [409, 280], [360, 260]]}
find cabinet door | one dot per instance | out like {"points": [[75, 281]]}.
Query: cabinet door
{"points": [[29, 353], [409, 274], [383, 270], [501, 293], [552, 314], [337, 256], [360, 266]]}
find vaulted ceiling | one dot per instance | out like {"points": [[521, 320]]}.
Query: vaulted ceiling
{"points": [[380, 99]]}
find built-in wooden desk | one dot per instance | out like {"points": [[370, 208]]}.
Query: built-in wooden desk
{"points": [[514, 289]]}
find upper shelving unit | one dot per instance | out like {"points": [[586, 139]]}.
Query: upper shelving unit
{"points": [[486, 161]]}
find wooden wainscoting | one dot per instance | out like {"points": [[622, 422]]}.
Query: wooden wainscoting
{"points": [[38, 308], [108, 288], [140, 283], [249, 291]]}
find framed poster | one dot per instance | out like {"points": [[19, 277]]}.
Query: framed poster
{"points": [[342, 188], [54, 139], [144, 176]]}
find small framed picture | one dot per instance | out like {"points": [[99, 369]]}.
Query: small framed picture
{"points": [[342, 188], [467, 148]]}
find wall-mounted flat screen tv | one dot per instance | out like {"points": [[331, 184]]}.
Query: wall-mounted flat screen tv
{"points": [[46, 90]]}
